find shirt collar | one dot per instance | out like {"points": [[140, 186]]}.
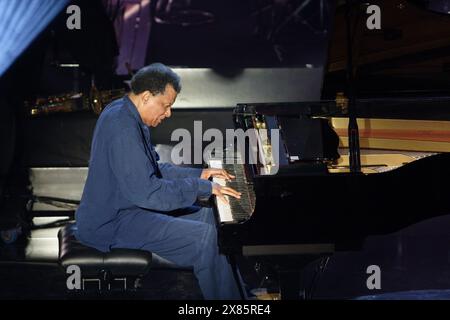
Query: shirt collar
{"points": [[133, 110]]}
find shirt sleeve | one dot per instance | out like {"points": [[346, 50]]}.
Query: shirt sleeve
{"points": [[137, 180], [170, 171]]}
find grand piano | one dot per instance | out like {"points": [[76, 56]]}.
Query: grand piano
{"points": [[296, 208], [310, 209]]}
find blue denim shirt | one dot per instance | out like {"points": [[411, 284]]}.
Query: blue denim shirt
{"points": [[124, 176]]}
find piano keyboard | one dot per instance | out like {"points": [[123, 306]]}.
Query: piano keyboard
{"points": [[238, 209]]}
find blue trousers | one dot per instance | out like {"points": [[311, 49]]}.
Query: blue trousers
{"points": [[187, 240]]}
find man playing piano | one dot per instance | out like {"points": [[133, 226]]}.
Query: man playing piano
{"points": [[131, 201]]}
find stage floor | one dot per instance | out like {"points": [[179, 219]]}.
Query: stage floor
{"points": [[416, 258]]}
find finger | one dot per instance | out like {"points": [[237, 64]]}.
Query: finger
{"points": [[222, 176], [229, 189], [237, 196], [228, 175], [223, 199], [231, 192]]}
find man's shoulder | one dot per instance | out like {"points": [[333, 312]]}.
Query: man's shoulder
{"points": [[116, 110], [115, 117]]}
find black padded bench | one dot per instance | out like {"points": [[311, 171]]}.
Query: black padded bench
{"points": [[127, 266]]}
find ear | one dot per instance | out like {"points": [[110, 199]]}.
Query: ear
{"points": [[146, 95]]}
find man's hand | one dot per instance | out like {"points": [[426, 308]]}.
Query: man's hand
{"points": [[220, 192], [217, 173]]}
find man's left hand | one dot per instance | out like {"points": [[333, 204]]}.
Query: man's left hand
{"points": [[217, 173]]}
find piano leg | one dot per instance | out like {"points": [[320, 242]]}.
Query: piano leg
{"points": [[289, 281], [289, 270]]}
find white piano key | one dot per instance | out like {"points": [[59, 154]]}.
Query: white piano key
{"points": [[223, 208], [224, 211], [215, 164]]}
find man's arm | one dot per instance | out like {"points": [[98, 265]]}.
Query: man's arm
{"points": [[138, 182], [170, 171]]}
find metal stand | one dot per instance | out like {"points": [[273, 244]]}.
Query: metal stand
{"points": [[353, 133]]}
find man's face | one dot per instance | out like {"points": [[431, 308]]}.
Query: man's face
{"points": [[156, 108]]}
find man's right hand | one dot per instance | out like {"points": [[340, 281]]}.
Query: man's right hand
{"points": [[220, 192]]}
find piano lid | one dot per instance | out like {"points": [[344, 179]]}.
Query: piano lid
{"points": [[407, 57], [21, 21]]}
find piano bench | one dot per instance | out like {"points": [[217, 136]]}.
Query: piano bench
{"points": [[119, 269]]}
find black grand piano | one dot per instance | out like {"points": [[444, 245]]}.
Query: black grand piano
{"points": [[307, 209], [298, 204]]}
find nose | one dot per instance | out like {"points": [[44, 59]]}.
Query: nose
{"points": [[168, 113]]}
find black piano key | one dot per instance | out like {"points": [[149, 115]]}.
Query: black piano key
{"points": [[241, 209]]}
